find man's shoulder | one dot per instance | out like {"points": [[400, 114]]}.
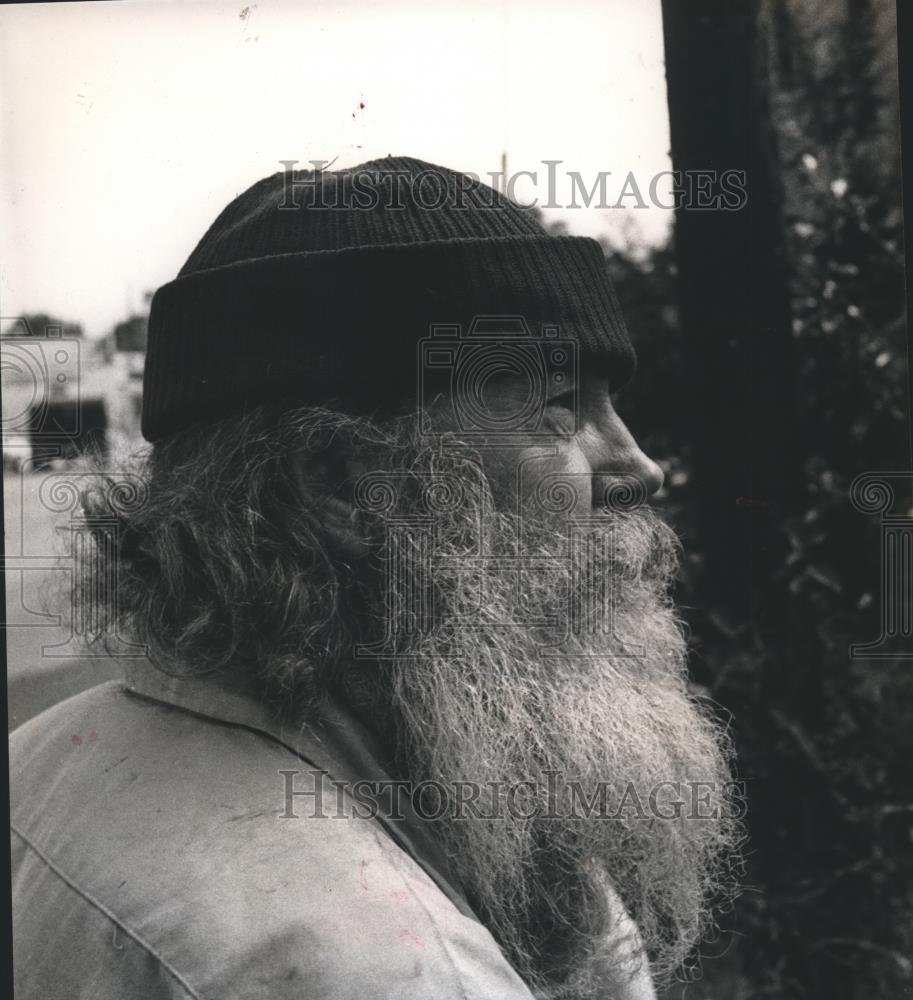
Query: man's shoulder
{"points": [[179, 827]]}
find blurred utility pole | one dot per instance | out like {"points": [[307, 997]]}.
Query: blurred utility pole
{"points": [[733, 296]]}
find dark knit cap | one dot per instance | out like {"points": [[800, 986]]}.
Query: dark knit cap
{"points": [[319, 285]]}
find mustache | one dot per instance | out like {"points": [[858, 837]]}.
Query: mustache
{"points": [[451, 491]]}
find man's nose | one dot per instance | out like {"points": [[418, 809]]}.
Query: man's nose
{"points": [[623, 457]]}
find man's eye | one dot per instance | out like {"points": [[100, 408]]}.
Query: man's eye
{"points": [[561, 414], [566, 400]]}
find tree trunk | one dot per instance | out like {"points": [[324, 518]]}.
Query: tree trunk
{"points": [[734, 297]]}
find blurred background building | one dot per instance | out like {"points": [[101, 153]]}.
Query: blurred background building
{"points": [[65, 396]]}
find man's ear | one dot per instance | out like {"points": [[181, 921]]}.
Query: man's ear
{"points": [[325, 480]]}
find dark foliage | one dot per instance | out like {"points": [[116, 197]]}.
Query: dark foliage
{"points": [[824, 739]]}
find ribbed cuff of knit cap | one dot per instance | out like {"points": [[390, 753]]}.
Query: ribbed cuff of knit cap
{"points": [[319, 324]]}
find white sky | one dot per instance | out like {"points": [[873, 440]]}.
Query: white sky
{"points": [[126, 127]]}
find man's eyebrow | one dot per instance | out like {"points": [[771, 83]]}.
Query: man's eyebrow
{"points": [[598, 376]]}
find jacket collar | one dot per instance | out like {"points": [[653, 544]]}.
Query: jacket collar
{"points": [[335, 742]]}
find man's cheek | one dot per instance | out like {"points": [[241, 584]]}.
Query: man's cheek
{"points": [[553, 479]]}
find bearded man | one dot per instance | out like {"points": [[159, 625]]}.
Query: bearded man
{"points": [[414, 720]]}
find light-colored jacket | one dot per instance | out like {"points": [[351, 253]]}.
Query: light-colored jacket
{"points": [[158, 853]]}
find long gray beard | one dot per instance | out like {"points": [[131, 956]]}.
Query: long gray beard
{"points": [[563, 716]]}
